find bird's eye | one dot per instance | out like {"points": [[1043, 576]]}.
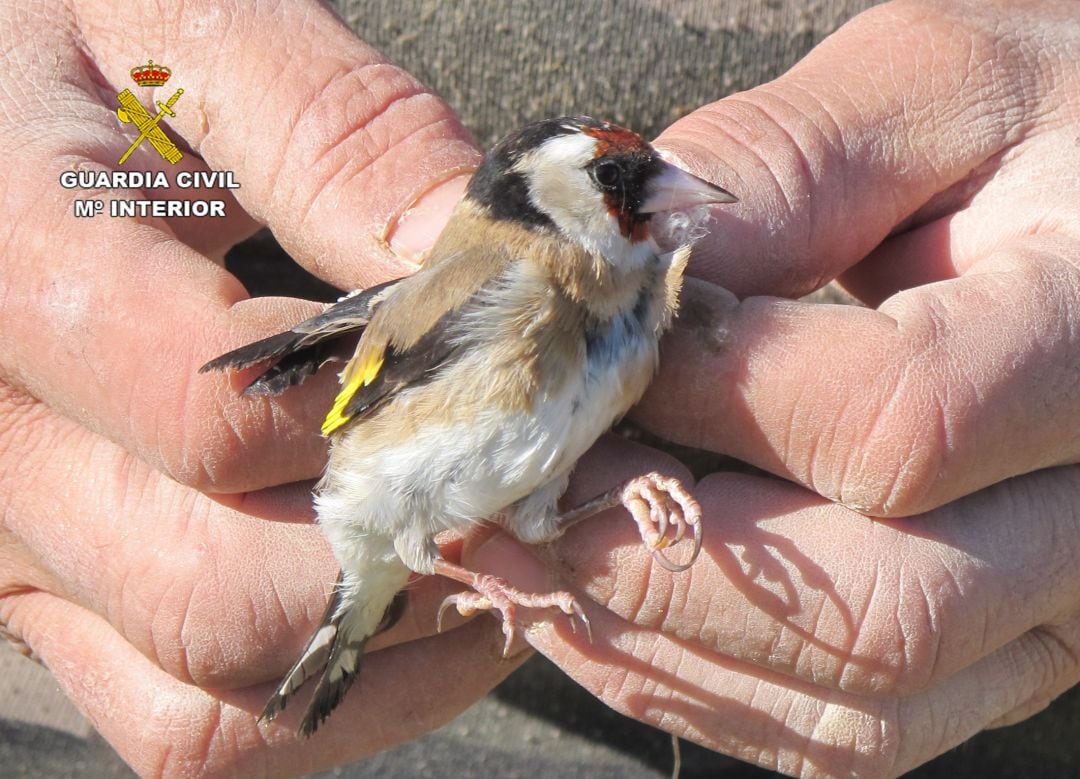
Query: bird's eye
{"points": [[607, 174]]}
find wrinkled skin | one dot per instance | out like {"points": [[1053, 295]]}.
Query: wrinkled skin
{"points": [[941, 183], [164, 613]]}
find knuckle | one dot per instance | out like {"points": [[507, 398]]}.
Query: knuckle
{"points": [[898, 645], [1048, 655], [234, 738], [184, 608], [198, 441], [351, 121], [902, 458], [782, 151], [859, 740], [205, 434], [163, 606], [19, 432], [908, 432], [210, 456], [190, 739]]}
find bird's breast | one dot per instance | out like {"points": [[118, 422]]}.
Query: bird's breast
{"points": [[620, 356], [536, 382]]}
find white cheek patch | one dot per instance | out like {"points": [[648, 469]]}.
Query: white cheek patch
{"points": [[560, 186], [563, 151], [558, 183]]}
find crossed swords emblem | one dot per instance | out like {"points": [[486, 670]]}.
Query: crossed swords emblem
{"points": [[131, 110]]}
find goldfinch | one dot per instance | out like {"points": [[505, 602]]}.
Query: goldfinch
{"points": [[479, 381]]}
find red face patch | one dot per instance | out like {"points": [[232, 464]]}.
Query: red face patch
{"points": [[634, 156], [612, 139]]}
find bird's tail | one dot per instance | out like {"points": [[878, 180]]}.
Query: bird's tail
{"points": [[337, 648]]}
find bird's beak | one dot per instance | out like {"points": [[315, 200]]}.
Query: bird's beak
{"points": [[673, 189]]}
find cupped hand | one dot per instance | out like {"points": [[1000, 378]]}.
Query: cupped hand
{"points": [[928, 155], [164, 613], [815, 641]]}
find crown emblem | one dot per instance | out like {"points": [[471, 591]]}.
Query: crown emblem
{"points": [[150, 75]]}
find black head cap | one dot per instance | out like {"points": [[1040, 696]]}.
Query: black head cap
{"points": [[621, 166], [502, 191]]}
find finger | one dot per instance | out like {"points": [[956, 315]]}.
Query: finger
{"points": [[941, 391], [115, 342], [21, 570], [111, 328], [161, 726], [330, 129], [74, 346], [236, 600], [799, 728], [833, 156], [211, 595], [1031, 193], [805, 624], [810, 590], [108, 319], [76, 131]]}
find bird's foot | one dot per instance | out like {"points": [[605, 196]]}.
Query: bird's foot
{"points": [[664, 511], [494, 593], [662, 507]]}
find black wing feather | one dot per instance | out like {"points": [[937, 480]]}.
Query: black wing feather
{"points": [[411, 367], [300, 352], [293, 368]]}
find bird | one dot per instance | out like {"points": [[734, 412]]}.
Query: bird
{"points": [[477, 383]]}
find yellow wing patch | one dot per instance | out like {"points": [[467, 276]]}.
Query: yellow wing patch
{"points": [[336, 418]]}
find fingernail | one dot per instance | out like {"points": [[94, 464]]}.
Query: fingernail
{"points": [[420, 224]]}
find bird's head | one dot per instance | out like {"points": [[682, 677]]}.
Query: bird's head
{"points": [[590, 181]]}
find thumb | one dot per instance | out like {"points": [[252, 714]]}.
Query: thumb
{"points": [[876, 129], [333, 145]]}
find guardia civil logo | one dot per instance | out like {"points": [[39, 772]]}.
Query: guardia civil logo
{"points": [[131, 111], [137, 194]]}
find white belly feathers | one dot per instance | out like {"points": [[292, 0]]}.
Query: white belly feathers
{"points": [[448, 474]]}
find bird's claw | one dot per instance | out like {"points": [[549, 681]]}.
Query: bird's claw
{"points": [[658, 503], [494, 593]]}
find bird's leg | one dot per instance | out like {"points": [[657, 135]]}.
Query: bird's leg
{"points": [[657, 503], [492, 592]]}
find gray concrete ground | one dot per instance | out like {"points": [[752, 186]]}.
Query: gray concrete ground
{"points": [[538, 723]]}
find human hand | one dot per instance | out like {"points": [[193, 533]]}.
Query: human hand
{"points": [[941, 181], [163, 612]]}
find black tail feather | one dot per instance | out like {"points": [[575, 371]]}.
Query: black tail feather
{"points": [[342, 669], [333, 655], [311, 661]]}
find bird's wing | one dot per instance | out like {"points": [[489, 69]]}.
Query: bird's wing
{"points": [[301, 351], [388, 369], [405, 327], [411, 337]]}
